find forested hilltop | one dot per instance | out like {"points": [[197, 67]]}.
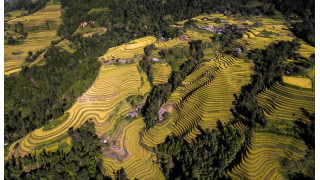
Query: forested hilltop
{"points": [[151, 89]]}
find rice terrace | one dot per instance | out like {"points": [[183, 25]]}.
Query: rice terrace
{"points": [[155, 89]]}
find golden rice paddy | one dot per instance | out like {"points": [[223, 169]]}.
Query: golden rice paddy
{"points": [[298, 81]]}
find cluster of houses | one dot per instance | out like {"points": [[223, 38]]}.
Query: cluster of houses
{"points": [[184, 38], [85, 24], [238, 51], [119, 61], [160, 114], [124, 61], [135, 113], [221, 12], [219, 30]]}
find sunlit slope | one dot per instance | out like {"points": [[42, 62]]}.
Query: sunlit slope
{"points": [[39, 36], [205, 96], [139, 163], [95, 104], [282, 102], [176, 42], [161, 73], [130, 49], [206, 99], [262, 160]]}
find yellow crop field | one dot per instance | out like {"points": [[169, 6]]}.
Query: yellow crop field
{"points": [[139, 162], [211, 97], [51, 12], [35, 40], [170, 43], [195, 35], [15, 14], [204, 98], [283, 102], [298, 81], [113, 85], [261, 161], [129, 50], [161, 73], [306, 50]]}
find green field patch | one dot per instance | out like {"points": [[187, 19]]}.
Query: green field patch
{"points": [[98, 10], [56, 122], [265, 33]]}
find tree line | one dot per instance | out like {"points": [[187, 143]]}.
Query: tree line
{"points": [[84, 161], [28, 5], [204, 158], [160, 94]]}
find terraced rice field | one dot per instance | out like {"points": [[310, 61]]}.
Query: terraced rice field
{"points": [[129, 50], [37, 39], [298, 81], [139, 163], [207, 98], [195, 35], [170, 43], [204, 97], [161, 73], [282, 102], [211, 17], [15, 14], [306, 50], [252, 39], [261, 161], [113, 85]]}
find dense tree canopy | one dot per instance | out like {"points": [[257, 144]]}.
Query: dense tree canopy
{"points": [[205, 158]]}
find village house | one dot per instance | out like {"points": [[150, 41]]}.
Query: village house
{"points": [[155, 59], [238, 51], [220, 31], [138, 108], [161, 112], [184, 37], [291, 35], [85, 24], [106, 61], [103, 141], [162, 38], [132, 114], [122, 61], [135, 112], [209, 26], [176, 26], [243, 30]]}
